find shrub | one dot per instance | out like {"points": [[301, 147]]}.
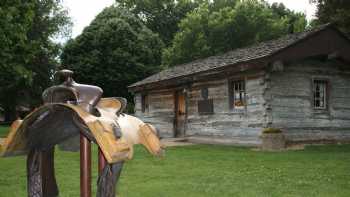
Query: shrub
{"points": [[271, 130]]}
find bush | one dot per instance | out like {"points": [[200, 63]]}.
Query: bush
{"points": [[271, 130], [114, 51]]}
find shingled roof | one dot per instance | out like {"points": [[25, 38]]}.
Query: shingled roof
{"points": [[263, 49]]}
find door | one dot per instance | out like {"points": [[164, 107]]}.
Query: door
{"points": [[180, 114]]}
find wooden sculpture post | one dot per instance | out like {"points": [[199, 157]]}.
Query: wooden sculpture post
{"points": [[72, 109], [85, 167], [86, 96], [101, 161]]}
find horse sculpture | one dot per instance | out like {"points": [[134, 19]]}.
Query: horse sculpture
{"points": [[69, 110]]}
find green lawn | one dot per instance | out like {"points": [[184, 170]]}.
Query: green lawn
{"points": [[3, 131], [204, 170]]}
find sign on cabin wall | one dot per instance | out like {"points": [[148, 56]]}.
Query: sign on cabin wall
{"points": [[252, 100], [205, 106]]}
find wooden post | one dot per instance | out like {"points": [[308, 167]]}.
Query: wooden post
{"points": [[85, 167], [101, 161]]}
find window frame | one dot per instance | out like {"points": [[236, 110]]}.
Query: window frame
{"points": [[326, 94], [232, 93]]}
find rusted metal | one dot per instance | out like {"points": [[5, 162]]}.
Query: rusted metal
{"points": [[101, 161], [85, 167]]}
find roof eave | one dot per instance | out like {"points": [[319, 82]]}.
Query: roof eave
{"points": [[182, 79]]}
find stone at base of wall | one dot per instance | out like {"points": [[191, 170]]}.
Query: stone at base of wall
{"points": [[318, 141], [246, 141], [238, 141], [315, 134], [273, 141]]}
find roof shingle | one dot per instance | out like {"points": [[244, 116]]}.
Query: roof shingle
{"points": [[260, 50]]}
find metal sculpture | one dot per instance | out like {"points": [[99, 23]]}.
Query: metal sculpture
{"points": [[72, 109]]}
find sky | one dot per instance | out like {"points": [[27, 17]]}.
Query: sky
{"points": [[302, 6], [83, 12]]}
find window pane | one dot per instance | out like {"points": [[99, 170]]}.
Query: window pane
{"points": [[317, 103], [320, 88], [317, 87], [238, 94]]}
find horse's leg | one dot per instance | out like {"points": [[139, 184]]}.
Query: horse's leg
{"points": [[107, 181], [40, 174]]}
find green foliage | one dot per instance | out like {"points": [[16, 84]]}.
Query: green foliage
{"points": [[161, 17], [271, 130], [204, 171], [333, 11], [115, 50], [27, 56], [296, 22], [210, 30]]}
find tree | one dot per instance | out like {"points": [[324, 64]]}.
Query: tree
{"points": [[115, 50], [296, 22], [28, 54], [333, 11], [161, 17], [207, 31]]}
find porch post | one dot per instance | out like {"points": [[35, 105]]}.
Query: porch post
{"points": [[85, 167], [101, 161]]}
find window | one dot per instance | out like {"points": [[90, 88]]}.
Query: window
{"points": [[320, 94], [144, 103], [237, 94]]}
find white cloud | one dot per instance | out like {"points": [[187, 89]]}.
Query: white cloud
{"points": [[303, 6], [83, 12]]}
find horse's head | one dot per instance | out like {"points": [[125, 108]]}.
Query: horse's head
{"points": [[149, 139]]}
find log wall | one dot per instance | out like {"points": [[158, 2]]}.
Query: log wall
{"points": [[160, 112], [289, 99], [244, 124], [281, 99]]}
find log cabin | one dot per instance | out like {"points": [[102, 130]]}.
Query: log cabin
{"points": [[299, 83]]}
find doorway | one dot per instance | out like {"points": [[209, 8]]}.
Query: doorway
{"points": [[180, 114]]}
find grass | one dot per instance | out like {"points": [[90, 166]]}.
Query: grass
{"points": [[204, 170], [3, 131]]}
